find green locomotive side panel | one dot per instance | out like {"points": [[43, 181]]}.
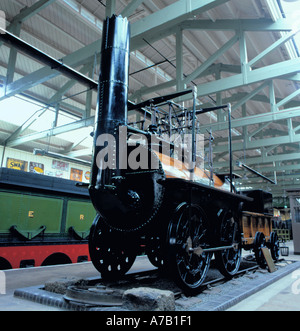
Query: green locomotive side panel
{"points": [[80, 216], [29, 214]]}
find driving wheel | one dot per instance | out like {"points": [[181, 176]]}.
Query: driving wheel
{"points": [[155, 250], [259, 243], [112, 252], [229, 260], [274, 246], [187, 236]]}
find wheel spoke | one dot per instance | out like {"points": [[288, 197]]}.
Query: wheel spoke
{"points": [[229, 260], [187, 230]]}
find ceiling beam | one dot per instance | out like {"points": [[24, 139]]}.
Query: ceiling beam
{"points": [[27, 12], [266, 73], [51, 102], [277, 44], [173, 15], [130, 9], [259, 143], [242, 24], [255, 119], [264, 159], [153, 27], [52, 132], [211, 60]]}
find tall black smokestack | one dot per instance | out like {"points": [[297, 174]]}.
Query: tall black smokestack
{"points": [[112, 109]]}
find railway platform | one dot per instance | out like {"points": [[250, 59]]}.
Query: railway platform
{"points": [[262, 291]]}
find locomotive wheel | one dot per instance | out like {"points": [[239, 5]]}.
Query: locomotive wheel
{"points": [[108, 250], [155, 251], [187, 264], [228, 261], [274, 246], [259, 243]]}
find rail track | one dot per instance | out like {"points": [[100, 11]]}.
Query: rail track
{"points": [[109, 293]]}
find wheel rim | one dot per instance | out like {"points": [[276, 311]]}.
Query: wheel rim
{"points": [[275, 248], [187, 231], [108, 251], [229, 260], [259, 243]]}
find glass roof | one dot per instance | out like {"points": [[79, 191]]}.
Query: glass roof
{"points": [[292, 12]]}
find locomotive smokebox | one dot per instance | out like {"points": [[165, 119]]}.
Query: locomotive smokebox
{"points": [[117, 195]]}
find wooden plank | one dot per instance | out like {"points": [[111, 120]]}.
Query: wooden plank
{"points": [[256, 214], [269, 260]]}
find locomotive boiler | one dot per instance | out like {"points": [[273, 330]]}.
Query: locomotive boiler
{"points": [[182, 213]]}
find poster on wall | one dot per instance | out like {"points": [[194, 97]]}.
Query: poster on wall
{"points": [[16, 164], [60, 165], [87, 175], [36, 167], [76, 174], [59, 174]]}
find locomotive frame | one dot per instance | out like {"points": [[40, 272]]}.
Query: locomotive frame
{"points": [[183, 213]]}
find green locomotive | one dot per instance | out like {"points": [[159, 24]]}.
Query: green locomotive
{"points": [[43, 220]]}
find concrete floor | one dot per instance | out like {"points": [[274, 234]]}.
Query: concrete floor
{"points": [[280, 296], [21, 278], [283, 295]]}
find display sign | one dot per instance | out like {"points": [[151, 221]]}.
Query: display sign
{"points": [[87, 175], [76, 175], [16, 164], [60, 165], [36, 167]]}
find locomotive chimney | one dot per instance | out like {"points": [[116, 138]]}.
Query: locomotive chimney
{"points": [[111, 109]]}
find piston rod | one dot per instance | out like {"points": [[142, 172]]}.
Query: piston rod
{"points": [[199, 251]]}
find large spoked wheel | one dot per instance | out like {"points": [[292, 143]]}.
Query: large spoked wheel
{"points": [[228, 261], [155, 250], [259, 243], [274, 246], [186, 238], [109, 250]]}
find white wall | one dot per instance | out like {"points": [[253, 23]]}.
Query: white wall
{"points": [[47, 162]]}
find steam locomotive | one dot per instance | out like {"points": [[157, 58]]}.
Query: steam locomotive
{"points": [[181, 212]]}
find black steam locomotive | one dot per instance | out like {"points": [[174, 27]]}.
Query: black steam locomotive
{"points": [[182, 214]]}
